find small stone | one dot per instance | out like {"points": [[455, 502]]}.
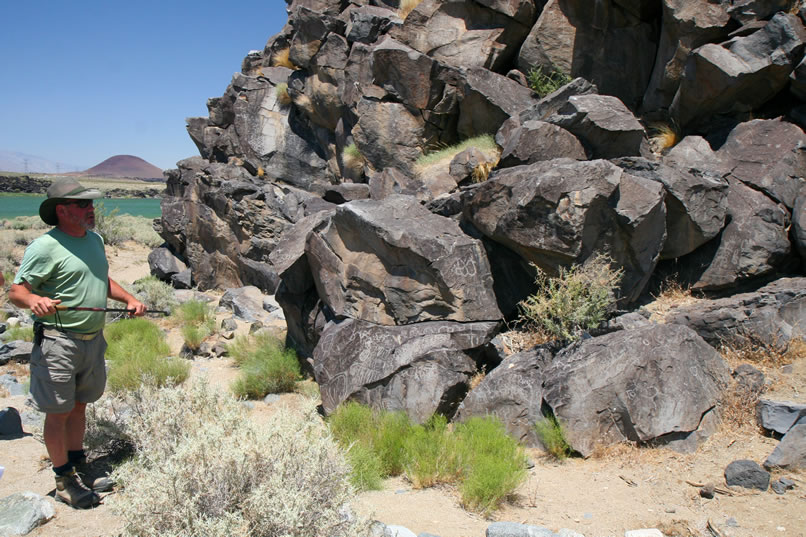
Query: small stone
{"points": [[708, 491], [670, 510], [229, 324], [229, 334], [748, 474], [732, 523], [780, 486], [271, 398], [21, 512], [10, 422]]}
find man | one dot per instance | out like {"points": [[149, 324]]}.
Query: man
{"points": [[68, 267]]}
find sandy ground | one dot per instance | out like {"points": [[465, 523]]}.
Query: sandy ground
{"points": [[623, 488]]}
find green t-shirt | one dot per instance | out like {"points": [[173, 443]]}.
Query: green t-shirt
{"points": [[73, 270]]}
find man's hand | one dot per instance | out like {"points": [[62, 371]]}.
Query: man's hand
{"points": [[22, 296], [138, 307]]}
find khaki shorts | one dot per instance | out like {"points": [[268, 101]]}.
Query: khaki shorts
{"points": [[66, 370]]}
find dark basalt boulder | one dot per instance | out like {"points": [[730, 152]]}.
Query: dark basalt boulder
{"points": [[513, 393], [558, 212], [421, 368], [768, 155], [775, 314], [654, 384], [394, 262]]}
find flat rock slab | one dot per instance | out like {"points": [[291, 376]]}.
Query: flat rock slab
{"points": [[747, 474]]}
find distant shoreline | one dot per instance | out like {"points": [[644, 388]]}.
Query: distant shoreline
{"points": [[111, 187]]}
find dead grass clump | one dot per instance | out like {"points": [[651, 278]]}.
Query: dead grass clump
{"points": [[737, 408], [482, 172], [663, 137], [406, 7], [748, 347], [281, 59], [476, 379], [517, 340], [672, 295]]}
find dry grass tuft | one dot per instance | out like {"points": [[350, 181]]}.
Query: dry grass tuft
{"points": [[406, 7], [476, 379], [482, 171], [517, 340], [737, 408], [751, 348], [281, 59], [672, 295], [663, 137], [676, 528]]}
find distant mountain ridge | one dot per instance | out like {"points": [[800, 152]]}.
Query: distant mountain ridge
{"points": [[14, 161], [124, 166]]}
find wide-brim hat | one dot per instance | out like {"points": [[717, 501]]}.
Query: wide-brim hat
{"points": [[60, 190]]}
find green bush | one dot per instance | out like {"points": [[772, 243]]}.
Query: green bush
{"points": [[366, 467], [201, 467], [197, 320], [551, 435], [577, 300], [484, 142], [26, 222], [478, 456], [432, 454], [543, 84], [266, 367], [493, 464], [137, 350]]}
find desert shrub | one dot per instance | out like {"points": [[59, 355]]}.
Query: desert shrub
{"points": [[366, 467], [266, 367], [485, 143], [197, 321], [493, 464], [551, 435], [202, 468], [19, 333], [478, 455], [575, 301], [26, 222], [116, 228], [155, 294], [543, 84], [137, 350]]}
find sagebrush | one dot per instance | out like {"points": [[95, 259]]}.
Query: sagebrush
{"points": [[201, 467], [116, 228], [575, 301]]}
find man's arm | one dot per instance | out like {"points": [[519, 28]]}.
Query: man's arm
{"points": [[22, 296], [116, 292]]}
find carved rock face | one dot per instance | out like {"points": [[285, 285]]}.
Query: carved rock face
{"points": [[654, 383], [559, 212], [394, 263]]}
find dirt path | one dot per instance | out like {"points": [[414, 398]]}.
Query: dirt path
{"points": [[622, 489]]}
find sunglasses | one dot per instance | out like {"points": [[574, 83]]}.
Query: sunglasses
{"points": [[82, 204]]}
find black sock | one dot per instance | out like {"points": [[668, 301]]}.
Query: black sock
{"points": [[77, 456], [64, 469]]}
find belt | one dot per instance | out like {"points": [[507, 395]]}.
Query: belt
{"points": [[71, 335]]}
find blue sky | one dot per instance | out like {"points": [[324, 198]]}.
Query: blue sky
{"points": [[84, 81]]}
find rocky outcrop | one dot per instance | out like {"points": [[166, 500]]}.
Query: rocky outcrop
{"points": [[311, 185]]}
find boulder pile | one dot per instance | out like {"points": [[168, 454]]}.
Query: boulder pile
{"points": [[396, 274]]}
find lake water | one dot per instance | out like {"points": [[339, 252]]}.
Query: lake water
{"points": [[14, 205]]}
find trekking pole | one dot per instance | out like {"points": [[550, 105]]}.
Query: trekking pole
{"points": [[109, 310]]}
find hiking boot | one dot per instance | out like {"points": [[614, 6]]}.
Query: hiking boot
{"points": [[93, 479], [70, 490]]}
